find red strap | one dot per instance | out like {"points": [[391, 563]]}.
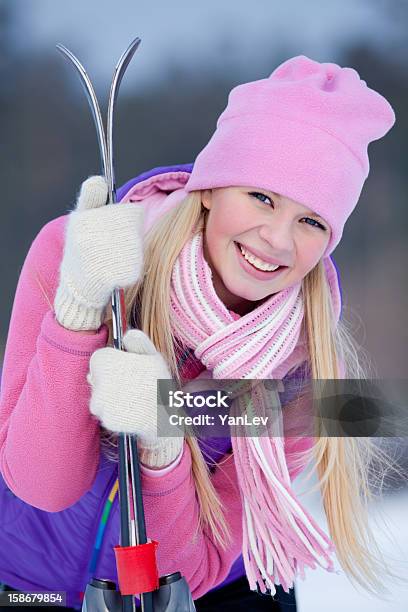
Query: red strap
{"points": [[137, 568]]}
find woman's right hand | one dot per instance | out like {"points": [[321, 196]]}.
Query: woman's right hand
{"points": [[103, 251]]}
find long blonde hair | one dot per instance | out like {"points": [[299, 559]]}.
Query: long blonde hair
{"points": [[342, 464]]}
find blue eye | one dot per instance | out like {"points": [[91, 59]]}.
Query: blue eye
{"points": [[255, 194], [262, 197], [318, 225]]}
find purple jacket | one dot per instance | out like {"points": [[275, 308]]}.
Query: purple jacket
{"points": [[56, 551]]}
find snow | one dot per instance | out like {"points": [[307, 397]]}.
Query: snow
{"points": [[322, 591]]}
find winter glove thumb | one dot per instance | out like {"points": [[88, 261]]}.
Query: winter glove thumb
{"points": [[136, 341], [93, 193]]}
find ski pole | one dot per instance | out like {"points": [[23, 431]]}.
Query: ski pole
{"points": [[136, 565]]}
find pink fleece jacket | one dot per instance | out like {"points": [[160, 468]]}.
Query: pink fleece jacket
{"points": [[46, 426]]}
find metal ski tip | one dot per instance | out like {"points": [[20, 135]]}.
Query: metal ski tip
{"points": [[63, 49]]}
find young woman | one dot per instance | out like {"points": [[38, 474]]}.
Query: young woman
{"points": [[196, 249]]}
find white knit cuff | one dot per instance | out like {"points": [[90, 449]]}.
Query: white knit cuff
{"points": [[73, 315], [161, 453], [158, 472]]}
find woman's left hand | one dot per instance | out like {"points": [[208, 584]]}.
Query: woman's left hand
{"points": [[124, 395]]}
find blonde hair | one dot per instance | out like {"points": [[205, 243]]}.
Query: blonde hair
{"points": [[343, 464]]}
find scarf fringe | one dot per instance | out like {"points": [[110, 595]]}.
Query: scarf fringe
{"points": [[288, 538]]}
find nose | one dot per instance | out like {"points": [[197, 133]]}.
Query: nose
{"points": [[279, 235]]}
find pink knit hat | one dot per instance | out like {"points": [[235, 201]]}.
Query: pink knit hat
{"points": [[303, 132]]}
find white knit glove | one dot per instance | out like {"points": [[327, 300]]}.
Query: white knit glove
{"points": [[103, 250], [124, 395]]}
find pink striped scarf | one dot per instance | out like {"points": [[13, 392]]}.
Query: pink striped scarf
{"points": [[279, 537]]}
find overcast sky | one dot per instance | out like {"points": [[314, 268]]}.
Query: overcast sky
{"points": [[222, 35]]}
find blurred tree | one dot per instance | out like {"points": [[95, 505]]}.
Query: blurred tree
{"points": [[5, 46]]}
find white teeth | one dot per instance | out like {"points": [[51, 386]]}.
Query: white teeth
{"points": [[258, 263]]}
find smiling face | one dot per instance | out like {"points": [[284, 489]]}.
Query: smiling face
{"points": [[272, 227]]}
